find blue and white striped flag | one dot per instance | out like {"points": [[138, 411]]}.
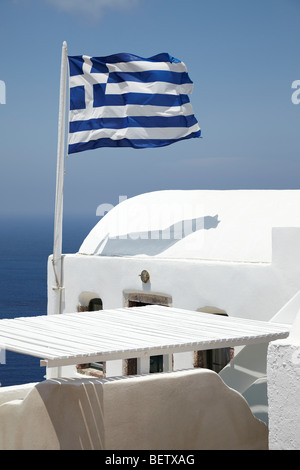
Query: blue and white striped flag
{"points": [[126, 101]]}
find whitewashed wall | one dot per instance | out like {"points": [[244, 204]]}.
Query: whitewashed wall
{"points": [[252, 290], [283, 369], [247, 262]]}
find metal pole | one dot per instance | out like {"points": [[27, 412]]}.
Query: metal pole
{"points": [[58, 218]]}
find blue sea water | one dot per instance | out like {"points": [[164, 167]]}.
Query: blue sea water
{"points": [[25, 244]]}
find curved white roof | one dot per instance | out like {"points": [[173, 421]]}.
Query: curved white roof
{"points": [[233, 225]]}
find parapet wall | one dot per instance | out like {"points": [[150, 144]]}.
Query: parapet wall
{"points": [[283, 373], [178, 410]]}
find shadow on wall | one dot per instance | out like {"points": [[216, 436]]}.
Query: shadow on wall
{"points": [[101, 414], [156, 241]]}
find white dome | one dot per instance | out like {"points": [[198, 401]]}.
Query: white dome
{"points": [[233, 225]]}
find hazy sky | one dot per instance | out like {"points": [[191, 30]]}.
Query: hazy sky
{"points": [[242, 56]]}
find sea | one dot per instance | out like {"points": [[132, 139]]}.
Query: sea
{"points": [[25, 245]]}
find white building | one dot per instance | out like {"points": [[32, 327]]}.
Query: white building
{"points": [[234, 253], [228, 251]]}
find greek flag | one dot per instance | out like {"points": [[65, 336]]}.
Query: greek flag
{"points": [[124, 100]]}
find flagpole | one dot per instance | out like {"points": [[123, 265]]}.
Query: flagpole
{"points": [[58, 217]]}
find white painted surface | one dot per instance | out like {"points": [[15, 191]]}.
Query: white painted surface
{"points": [[246, 372], [114, 368], [284, 391], [15, 392], [250, 290], [143, 365], [107, 335], [252, 228], [179, 411], [184, 360], [231, 226], [247, 264]]}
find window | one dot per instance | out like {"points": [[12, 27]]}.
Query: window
{"points": [[139, 299], [214, 359], [136, 298], [95, 304], [90, 303]]}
